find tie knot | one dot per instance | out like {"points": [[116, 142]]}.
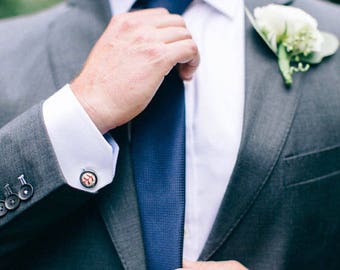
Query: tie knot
{"points": [[174, 6]]}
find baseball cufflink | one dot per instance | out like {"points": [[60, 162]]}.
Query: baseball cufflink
{"points": [[88, 179]]}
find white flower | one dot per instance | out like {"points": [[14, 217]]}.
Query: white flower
{"points": [[290, 26], [293, 36]]}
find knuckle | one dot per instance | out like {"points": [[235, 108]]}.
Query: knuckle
{"points": [[193, 47], [163, 10], [154, 52], [125, 23], [144, 34], [186, 33], [179, 19], [141, 38]]}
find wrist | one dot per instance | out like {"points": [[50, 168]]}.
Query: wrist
{"points": [[91, 105]]}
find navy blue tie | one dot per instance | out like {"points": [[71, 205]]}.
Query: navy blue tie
{"points": [[158, 155], [174, 6]]}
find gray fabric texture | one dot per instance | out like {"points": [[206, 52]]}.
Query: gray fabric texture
{"points": [[282, 206]]}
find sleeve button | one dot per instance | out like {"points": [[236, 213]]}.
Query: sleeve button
{"points": [[12, 200], [26, 190], [3, 210]]}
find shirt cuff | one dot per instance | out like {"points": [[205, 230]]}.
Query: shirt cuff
{"points": [[78, 144]]}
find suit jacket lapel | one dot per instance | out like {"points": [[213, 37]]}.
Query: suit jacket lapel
{"points": [[119, 209], [269, 112], [70, 40]]}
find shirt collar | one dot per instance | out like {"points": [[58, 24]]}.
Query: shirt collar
{"points": [[227, 7]]}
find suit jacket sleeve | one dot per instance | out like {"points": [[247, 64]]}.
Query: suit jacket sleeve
{"points": [[26, 149]]}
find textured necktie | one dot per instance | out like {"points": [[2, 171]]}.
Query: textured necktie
{"points": [[158, 153]]}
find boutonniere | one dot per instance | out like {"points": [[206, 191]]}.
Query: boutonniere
{"points": [[293, 36]]}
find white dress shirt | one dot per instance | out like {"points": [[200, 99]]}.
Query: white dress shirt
{"points": [[214, 102]]}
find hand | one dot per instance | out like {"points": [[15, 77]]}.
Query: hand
{"points": [[224, 265], [129, 62]]}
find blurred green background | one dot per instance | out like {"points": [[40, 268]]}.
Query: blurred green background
{"points": [[16, 7]]}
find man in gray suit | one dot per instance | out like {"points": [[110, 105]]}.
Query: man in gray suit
{"points": [[280, 206]]}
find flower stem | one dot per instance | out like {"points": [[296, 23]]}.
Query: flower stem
{"points": [[284, 65]]}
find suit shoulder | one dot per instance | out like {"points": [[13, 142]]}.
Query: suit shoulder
{"points": [[25, 76], [20, 32]]}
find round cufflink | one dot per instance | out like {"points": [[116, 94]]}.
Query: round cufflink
{"points": [[3, 210], [12, 200], [88, 179], [26, 190]]}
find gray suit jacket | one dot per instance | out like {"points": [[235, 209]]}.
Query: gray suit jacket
{"points": [[282, 206]]}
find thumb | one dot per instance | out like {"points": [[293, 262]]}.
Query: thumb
{"points": [[188, 264]]}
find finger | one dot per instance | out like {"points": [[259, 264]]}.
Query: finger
{"points": [[172, 34], [230, 265], [188, 264], [153, 17], [161, 20], [183, 51], [187, 70], [158, 17], [142, 17], [170, 20], [205, 265], [149, 12]]}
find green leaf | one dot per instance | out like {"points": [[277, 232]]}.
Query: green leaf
{"points": [[328, 47], [253, 23]]}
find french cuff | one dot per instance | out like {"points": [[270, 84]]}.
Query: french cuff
{"points": [[86, 158]]}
